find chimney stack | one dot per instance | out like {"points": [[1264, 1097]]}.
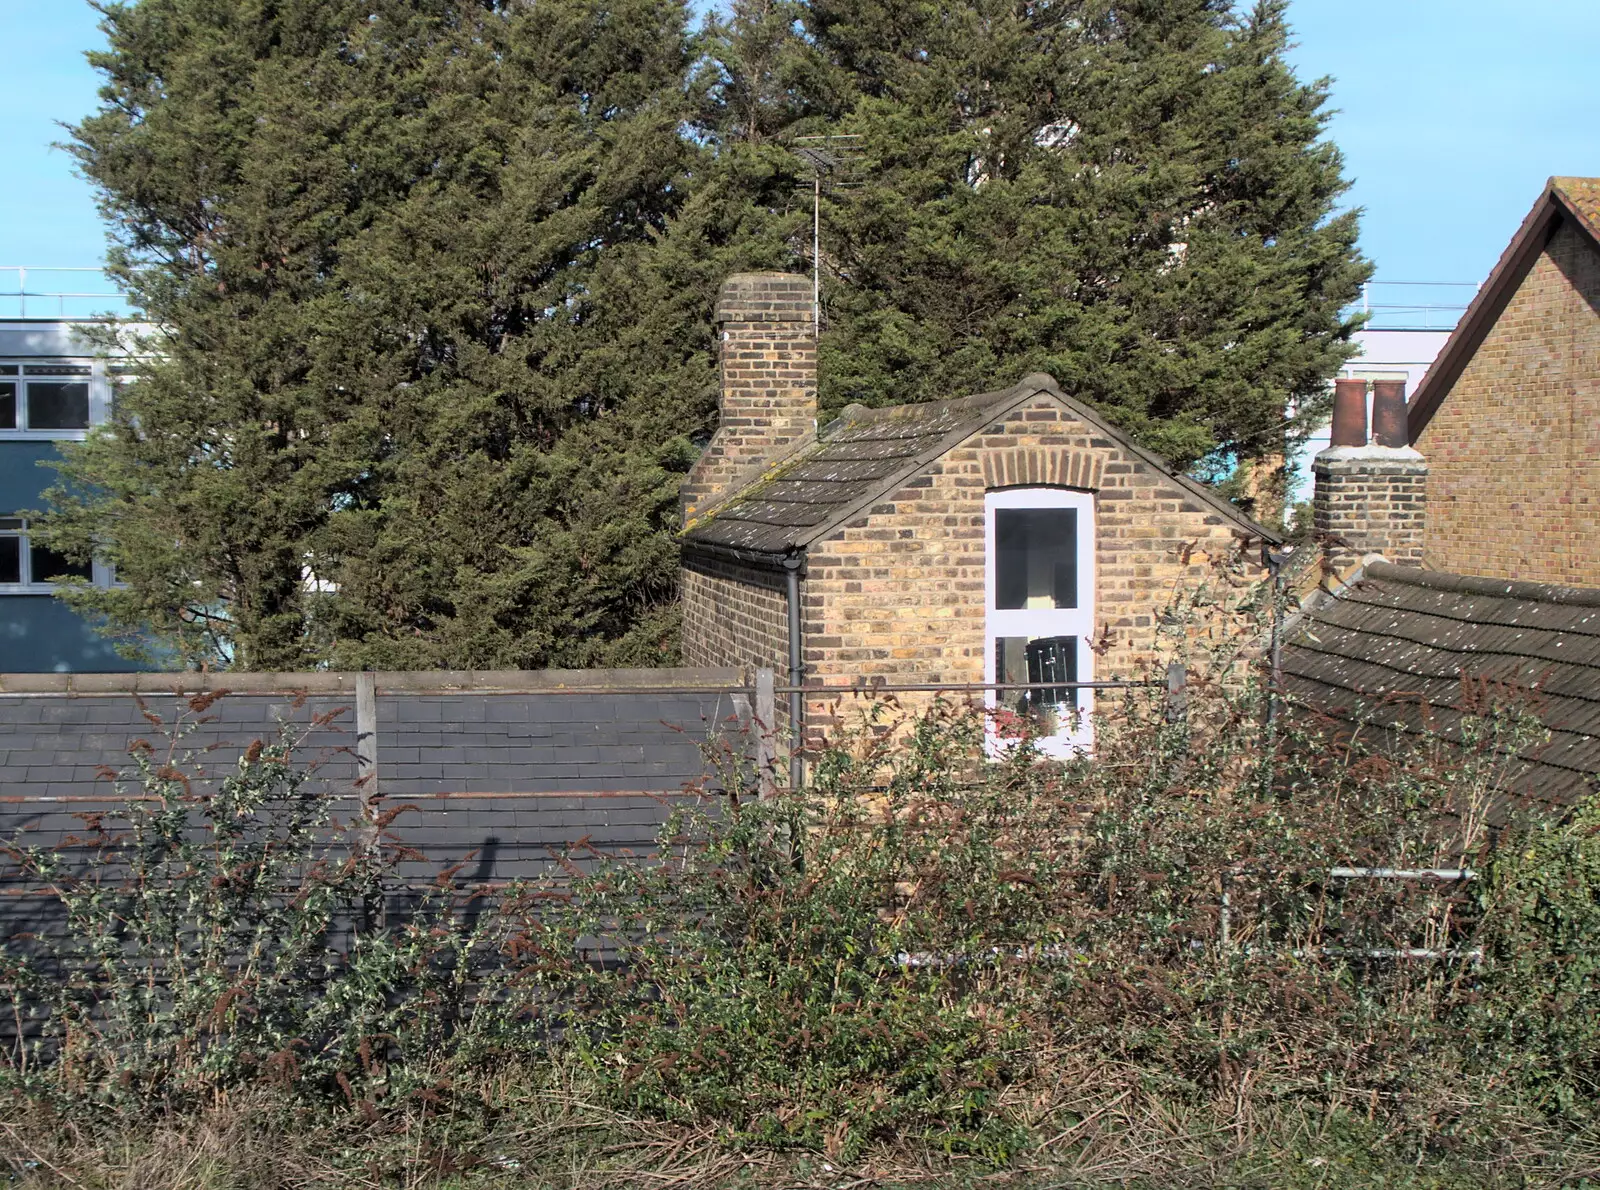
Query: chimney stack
{"points": [[768, 347], [1369, 498]]}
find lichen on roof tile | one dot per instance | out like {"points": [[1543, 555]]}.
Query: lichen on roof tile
{"points": [[1583, 195]]}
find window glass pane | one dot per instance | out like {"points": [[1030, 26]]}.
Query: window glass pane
{"points": [[46, 566], [58, 406], [8, 406], [1036, 557], [1019, 659], [10, 559]]}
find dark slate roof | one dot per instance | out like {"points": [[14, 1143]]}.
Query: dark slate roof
{"points": [[503, 781], [868, 453], [1398, 645]]}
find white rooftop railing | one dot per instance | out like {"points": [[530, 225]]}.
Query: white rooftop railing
{"points": [[50, 291], [1415, 305]]}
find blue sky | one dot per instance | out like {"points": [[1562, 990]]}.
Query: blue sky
{"points": [[1453, 113]]}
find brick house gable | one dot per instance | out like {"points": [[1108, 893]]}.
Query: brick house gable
{"points": [[1509, 415], [894, 551]]}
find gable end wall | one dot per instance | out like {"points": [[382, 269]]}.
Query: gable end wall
{"points": [[1514, 448], [899, 592]]}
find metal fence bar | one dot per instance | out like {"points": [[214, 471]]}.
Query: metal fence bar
{"points": [[970, 687], [1382, 952], [349, 695], [111, 799]]}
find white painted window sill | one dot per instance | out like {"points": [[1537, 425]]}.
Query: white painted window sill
{"points": [[43, 435]]}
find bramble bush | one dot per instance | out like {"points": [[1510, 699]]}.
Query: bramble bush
{"points": [[932, 943], [211, 935]]}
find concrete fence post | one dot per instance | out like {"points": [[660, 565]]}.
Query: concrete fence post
{"points": [[766, 725], [1177, 706], [367, 792], [367, 741]]}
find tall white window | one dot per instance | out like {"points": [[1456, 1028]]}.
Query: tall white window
{"points": [[1040, 583]]}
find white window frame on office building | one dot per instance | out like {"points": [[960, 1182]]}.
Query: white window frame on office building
{"points": [[23, 559], [22, 378], [23, 381], [1067, 720]]}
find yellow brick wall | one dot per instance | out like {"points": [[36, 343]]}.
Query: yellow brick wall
{"points": [[899, 592], [734, 615], [1514, 450], [767, 355]]}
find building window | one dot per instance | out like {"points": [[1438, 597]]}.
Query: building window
{"points": [[1040, 574], [47, 400], [27, 568]]}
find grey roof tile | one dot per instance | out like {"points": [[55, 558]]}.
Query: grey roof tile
{"points": [[867, 453], [1409, 649]]}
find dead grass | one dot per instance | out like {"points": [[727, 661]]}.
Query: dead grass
{"points": [[538, 1129]]}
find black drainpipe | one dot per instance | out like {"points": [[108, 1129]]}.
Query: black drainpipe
{"points": [[791, 565]]}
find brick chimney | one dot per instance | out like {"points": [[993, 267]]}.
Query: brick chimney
{"points": [[1371, 498], [767, 333]]}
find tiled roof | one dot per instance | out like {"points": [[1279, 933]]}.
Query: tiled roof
{"points": [[1398, 646], [502, 783], [868, 453], [1582, 196]]}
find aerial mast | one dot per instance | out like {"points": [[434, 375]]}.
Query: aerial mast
{"points": [[827, 156]]}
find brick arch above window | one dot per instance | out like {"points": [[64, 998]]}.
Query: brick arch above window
{"points": [[1042, 467]]}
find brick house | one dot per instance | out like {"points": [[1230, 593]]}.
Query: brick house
{"points": [[1418, 651], [1009, 536], [1508, 417]]}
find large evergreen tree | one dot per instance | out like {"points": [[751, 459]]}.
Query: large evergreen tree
{"points": [[433, 280], [403, 409], [1130, 194]]}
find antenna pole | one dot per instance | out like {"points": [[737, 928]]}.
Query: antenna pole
{"points": [[824, 154], [816, 254]]}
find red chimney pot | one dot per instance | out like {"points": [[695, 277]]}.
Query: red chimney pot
{"points": [[1389, 413], [1349, 413]]}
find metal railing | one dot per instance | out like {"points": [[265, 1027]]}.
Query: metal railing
{"points": [[1415, 305], [25, 298]]}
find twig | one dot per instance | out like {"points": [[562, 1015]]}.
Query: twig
{"points": [[1086, 1121], [41, 1158]]}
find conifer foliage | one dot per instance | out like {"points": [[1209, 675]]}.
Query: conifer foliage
{"points": [[1128, 194], [406, 407], [432, 282]]}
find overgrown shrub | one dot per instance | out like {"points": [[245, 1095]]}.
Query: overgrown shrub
{"points": [[1534, 1017], [983, 953], [215, 934]]}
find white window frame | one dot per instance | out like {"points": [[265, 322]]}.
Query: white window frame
{"points": [[1074, 738], [99, 395], [102, 575]]}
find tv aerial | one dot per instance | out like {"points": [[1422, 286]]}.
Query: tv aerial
{"points": [[828, 157]]}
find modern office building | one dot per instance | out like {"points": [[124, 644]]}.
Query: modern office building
{"points": [[54, 385]]}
